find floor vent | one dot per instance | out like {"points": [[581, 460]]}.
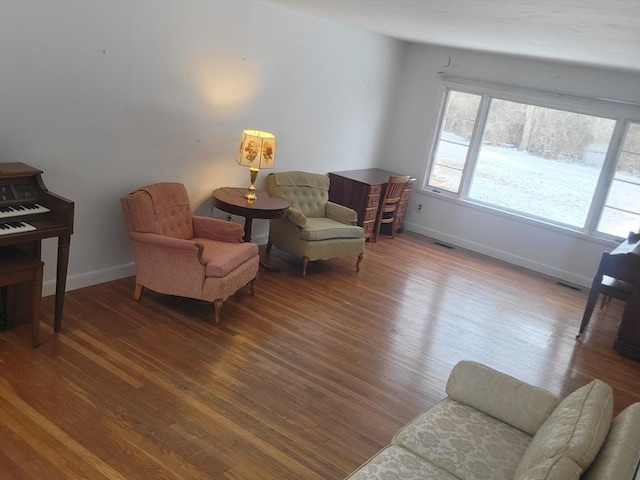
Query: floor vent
{"points": [[440, 244], [572, 287]]}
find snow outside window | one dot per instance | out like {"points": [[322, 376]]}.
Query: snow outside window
{"points": [[572, 167]]}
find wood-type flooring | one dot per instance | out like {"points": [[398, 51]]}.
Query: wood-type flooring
{"points": [[305, 380]]}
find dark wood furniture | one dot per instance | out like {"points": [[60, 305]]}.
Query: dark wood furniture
{"points": [[26, 201], [16, 268], [390, 203], [266, 206], [618, 276], [362, 191]]}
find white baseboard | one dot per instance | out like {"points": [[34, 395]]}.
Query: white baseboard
{"points": [[90, 278], [489, 251]]}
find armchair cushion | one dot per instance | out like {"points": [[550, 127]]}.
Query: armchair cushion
{"points": [[221, 258], [325, 229]]}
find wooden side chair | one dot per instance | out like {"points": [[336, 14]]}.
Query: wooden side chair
{"points": [[390, 204]]}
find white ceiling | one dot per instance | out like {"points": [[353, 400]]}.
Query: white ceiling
{"points": [[603, 33]]}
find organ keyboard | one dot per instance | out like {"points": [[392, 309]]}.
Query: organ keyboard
{"points": [[7, 211], [15, 227], [35, 213]]}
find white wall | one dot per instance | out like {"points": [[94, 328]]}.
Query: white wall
{"points": [[568, 256], [106, 96]]}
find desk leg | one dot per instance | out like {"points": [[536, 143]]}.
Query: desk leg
{"points": [[61, 279]]}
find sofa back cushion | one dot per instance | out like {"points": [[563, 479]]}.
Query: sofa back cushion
{"points": [[576, 429]]}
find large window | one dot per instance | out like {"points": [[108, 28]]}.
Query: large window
{"points": [[570, 162]]}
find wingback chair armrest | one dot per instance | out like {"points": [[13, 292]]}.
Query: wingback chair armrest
{"points": [[216, 229], [341, 214], [187, 249], [297, 217]]}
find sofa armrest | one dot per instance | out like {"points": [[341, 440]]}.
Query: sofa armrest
{"points": [[341, 214], [508, 399], [216, 229], [619, 456]]}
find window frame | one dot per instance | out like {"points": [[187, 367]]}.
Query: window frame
{"points": [[623, 113]]}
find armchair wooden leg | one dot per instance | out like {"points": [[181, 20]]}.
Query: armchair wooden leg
{"points": [[217, 306], [252, 285], [360, 257], [305, 262], [137, 291]]}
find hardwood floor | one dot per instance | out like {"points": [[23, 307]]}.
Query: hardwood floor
{"points": [[305, 380]]}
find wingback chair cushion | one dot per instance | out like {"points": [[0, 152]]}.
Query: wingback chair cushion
{"points": [[181, 254], [307, 192]]}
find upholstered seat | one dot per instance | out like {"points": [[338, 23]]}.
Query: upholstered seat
{"points": [[313, 228], [181, 254]]}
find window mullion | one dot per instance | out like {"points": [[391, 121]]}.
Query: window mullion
{"points": [[474, 145], [606, 177]]}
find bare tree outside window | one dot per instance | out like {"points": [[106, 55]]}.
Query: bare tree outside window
{"points": [[539, 162]]}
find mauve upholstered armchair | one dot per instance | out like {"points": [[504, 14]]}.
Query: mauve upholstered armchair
{"points": [[313, 228], [177, 253]]}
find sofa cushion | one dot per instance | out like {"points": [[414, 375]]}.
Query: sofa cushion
{"points": [[576, 428], [620, 454], [465, 442], [506, 398], [397, 463]]}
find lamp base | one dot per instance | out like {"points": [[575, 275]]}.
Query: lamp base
{"points": [[251, 193]]}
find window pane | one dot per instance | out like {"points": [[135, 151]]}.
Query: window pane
{"points": [[621, 213], [540, 161], [453, 141]]}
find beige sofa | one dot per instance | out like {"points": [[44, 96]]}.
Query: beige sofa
{"points": [[492, 426]]}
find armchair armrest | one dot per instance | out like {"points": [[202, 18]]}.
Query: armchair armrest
{"points": [[181, 250], [217, 229], [297, 217], [508, 399], [341, 214]]}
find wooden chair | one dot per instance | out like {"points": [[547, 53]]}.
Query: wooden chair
{"points": [[615, 278], [390, 203]]}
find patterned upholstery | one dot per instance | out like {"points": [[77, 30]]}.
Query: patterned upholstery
{"points": [[180, 254], [465, 442], [476, 433], [314, 228], [576, 429]]}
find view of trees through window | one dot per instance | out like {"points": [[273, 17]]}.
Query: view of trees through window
{"points": [[540, 162]]}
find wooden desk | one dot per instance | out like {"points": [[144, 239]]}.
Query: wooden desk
{"points": [[362, 190], [266, 206]]}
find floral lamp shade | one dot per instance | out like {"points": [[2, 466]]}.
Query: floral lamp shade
{"points": [[257, 150]]}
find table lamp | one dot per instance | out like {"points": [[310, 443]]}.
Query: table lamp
{"points": [[257, 150]]}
